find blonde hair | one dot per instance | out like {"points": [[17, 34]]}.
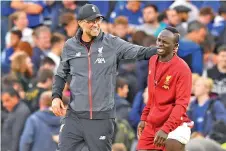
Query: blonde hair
{"points": [[14, 17], [121, 20], [18, 60], [40, 29], [195, 77], [207, 81]]}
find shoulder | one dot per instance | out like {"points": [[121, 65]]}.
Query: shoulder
{"points": [[28, 31], [192, 104], [182, 65], [212, 71], [110, 36], [153, 59], [22, 109], [70, 43], [115, 41]]}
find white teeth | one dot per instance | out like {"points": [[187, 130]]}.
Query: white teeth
{"points": [[160, 50]]}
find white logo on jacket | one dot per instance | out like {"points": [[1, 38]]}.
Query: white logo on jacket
{"points": [[100, 58], [100, 51], [78, 54], [102, 138], [93, 8]]}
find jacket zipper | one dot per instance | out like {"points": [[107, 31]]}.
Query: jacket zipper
{"points": [[89, 82]]}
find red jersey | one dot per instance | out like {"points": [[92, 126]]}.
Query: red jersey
{"points": [[169, 90]]}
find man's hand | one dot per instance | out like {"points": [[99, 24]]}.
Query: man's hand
{"points": [[160, 138], [58, 107], [140, 128]]}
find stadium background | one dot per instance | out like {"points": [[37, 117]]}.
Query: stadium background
{"points": [[33, 33]]}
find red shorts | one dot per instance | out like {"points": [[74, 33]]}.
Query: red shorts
{"points": [[146, 141]]}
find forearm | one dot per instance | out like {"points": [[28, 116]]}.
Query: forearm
{"points": [[126, 50], [18, 5], [150, 51], [33, 9], [58, 86], [30, 8], [145, 113], [174, 119]]}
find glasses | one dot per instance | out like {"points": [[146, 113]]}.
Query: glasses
{"points": [[97, 20]]}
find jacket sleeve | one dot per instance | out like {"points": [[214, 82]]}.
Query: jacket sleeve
{"points": [[183, 92], [145, 111], [27, 137], [62, 72], [126, 50], [17, 129]]}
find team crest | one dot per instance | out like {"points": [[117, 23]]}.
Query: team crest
{"points": [[100, 58], [166, 83], [93, 8]]}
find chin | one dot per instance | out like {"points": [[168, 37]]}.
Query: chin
{"points": [[160, 54], [95, 34]]}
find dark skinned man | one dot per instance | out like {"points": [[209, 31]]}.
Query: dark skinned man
{"points": [[164, 124]]}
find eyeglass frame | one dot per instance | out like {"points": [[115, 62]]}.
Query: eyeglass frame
{"points": [[96, 20]]}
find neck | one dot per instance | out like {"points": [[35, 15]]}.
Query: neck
{"points": [[120, 95], [166, 58], [202, 99], [43, 107], [69, 33], [222, 69], [86, 38], [192, 37], [71, 6], [56, 51], [14, 106], [20, 28], [154, 23], [40, 47]]}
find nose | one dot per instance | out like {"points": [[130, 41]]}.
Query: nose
{"points": [[160, 44], [95, 24]]}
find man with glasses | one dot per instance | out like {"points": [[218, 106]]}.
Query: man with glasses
{"points": [[91, 58]]}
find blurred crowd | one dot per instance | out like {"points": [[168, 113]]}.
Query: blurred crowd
{"points": [[34, 32]]}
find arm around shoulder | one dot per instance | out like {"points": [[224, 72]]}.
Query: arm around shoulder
{"points": [[126, 50]]}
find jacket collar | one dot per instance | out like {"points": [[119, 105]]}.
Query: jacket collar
{"points": [[79, 34]]}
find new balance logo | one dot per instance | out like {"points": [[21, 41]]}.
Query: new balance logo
{"points": [[102, 138], [78, 54], [100, 60]]}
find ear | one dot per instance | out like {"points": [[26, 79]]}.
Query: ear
{"points": [[176, 47], [80, 23]]}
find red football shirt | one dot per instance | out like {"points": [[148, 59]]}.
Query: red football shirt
{"points": [[169, 86]]}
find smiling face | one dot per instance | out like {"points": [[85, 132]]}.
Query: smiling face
{"points": [[166, 43], [91, 28]]}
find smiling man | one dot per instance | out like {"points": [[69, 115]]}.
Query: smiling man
{"points": [[164, 124], [91, 58]]}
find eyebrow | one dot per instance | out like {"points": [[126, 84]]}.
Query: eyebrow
{"points": [[162, 39]]}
